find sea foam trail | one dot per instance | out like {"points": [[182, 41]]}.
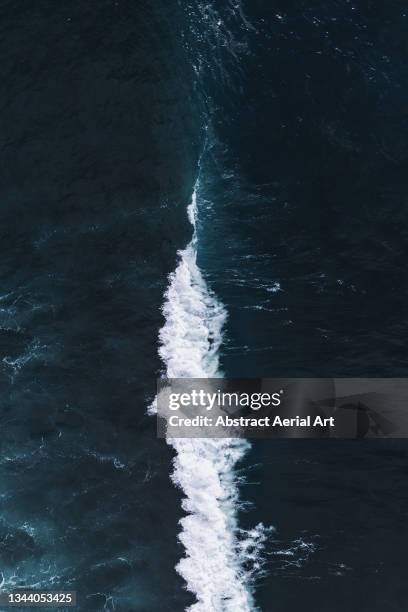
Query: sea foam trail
{"points": [[220, 559]]}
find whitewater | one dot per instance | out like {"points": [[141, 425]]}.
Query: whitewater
{"points": [[221, 560]]}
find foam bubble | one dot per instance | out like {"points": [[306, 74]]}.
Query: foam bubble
{"points": [[220, 560]]}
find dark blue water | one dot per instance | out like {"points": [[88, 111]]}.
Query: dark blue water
{"points": [[302, 235], [99, 150], [304, 241]]}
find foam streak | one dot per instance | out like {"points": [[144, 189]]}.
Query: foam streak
{"points": [[220, 559]]}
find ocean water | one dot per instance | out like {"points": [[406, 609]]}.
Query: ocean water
{"points": [[221, 560], [299, 235], [96, 179], [199, 189]]}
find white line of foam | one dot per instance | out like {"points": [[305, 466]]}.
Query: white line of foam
{"points": [[220, 559]]}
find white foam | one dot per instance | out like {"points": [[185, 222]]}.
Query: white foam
{"points": [[220, 559]]}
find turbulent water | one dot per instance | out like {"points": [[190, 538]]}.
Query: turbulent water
{"points": [[299, 235], [289, 259], [220, 559]]}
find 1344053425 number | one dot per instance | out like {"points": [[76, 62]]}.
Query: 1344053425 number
{"points": [[35, 598]]}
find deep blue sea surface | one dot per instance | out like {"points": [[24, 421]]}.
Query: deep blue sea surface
{"points": [[292, 116]]}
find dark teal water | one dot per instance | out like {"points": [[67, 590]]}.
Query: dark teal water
{"points": [[302, 235], [95, 179]]}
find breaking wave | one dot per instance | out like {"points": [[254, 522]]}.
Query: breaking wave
{"points": [[221, 560]]}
